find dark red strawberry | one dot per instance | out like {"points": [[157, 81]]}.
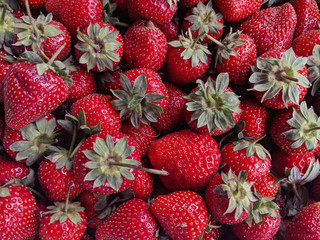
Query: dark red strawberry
{"points": [[186, 4], [170, 29]]}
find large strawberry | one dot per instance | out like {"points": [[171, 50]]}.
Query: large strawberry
{"points": [[182, 214], [271, 28]]}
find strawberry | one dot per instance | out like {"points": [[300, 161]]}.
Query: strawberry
{"points": [[160, 11], [187, 60], [305, 224], [287, 84], [145, 46], [83, 13], [212, 107], [96, 109], [308, 16], [4, 67], [143, 185], [110, 80], [235, 11], [271, 28], [18, 213], [267, 187], [305, 42], [170, 29], [142, 96], [176, 150], [182, 214], [223, 199], [315, 189], [100, 163], [186, 4], [203, 19], [131, 220], [34, 4], [214, 229]]}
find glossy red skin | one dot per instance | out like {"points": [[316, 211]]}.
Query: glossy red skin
{"points": [[181, 71], [173, 209], [142, 137], [265, 231], [75, 14], [11, 169], [143, 185], [97, 108], [235, 11], [81, 171], [266, 186], [191, 159], [119, 50], [145, 46], [170, 29], [308, 16], [186, 25], [55, 182], [41, 208], [64, 231], [83, 84], [189, 3], [239, 67], [4, 67], [216, 230], [33, 4], [172, 117], [131, 220], [304, 43], [276, 102], [305, 225], [256, 167], [271, 28], [18, 214], [218, 204], [29, 96], [157, 11], [256, 118]]}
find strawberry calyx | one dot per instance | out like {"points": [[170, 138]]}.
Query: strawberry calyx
{"points": [[133, 101], [212, 104], [238, 191], [305, 128], [99, 47], [4, 192], [194, 50], [109, 8], [172, 2], [60, 156], [7, 21], [272, 75], [313, 69], [252, 147]]}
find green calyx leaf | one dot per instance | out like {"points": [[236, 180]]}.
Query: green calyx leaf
{"points": [[238, 191], [252, 147], [272, 75], [99, 47], [133, 101], [212, 105], [38, 137], [314, 69], [171, 2], [105, 162], [59, 156], [305, 128], [4, 192], [6, 27]]}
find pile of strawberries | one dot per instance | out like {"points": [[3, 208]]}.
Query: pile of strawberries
{"points": [[167, 119]]}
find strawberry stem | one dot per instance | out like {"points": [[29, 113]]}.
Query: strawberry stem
{"points": [[95, 46], [6, 5], [3, 14], [196, 40], [73, 141], [55, 55], [122, 24], [67, 200], [207, 17], [294, 188], [149, 170], [76, 149], [216, 41], [33, 23]]}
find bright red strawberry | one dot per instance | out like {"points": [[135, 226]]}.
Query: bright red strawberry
{"points": [[75, 14], [304, 225], [29, 95], [63, 220], [305, 43], [308, 16], [267, 187], [170, 29], [202, 19], [214, 229], [11, 169], [235, 11], [145, 46], [97, 109], [270, 28], [176, 150], [34, 4], [142, 96], [187, 60], [4, 67], [131, 220], [288, 84], [98, 163], [18, 213], [212, 107], [143, 185], [182, 214], [157, 11]]}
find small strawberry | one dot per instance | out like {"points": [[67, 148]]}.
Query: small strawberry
{"points": [[131, 220], [270, 28], [34, 4], [143, 185], [182, 214]]}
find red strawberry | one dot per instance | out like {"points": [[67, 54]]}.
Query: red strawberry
{"points": [[34, 4], [186, 4], [98, 163], [170, 29], [308, 16], [143, 185], [18, 213], [267, 187], [214, 229], [305, 43], [182, 214], [110, 80], [234, 11], [174, 151], [11, 169], [288, 84], [75, 15], [270, 28], [145, 46], [304, 225], [4, 67]]}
